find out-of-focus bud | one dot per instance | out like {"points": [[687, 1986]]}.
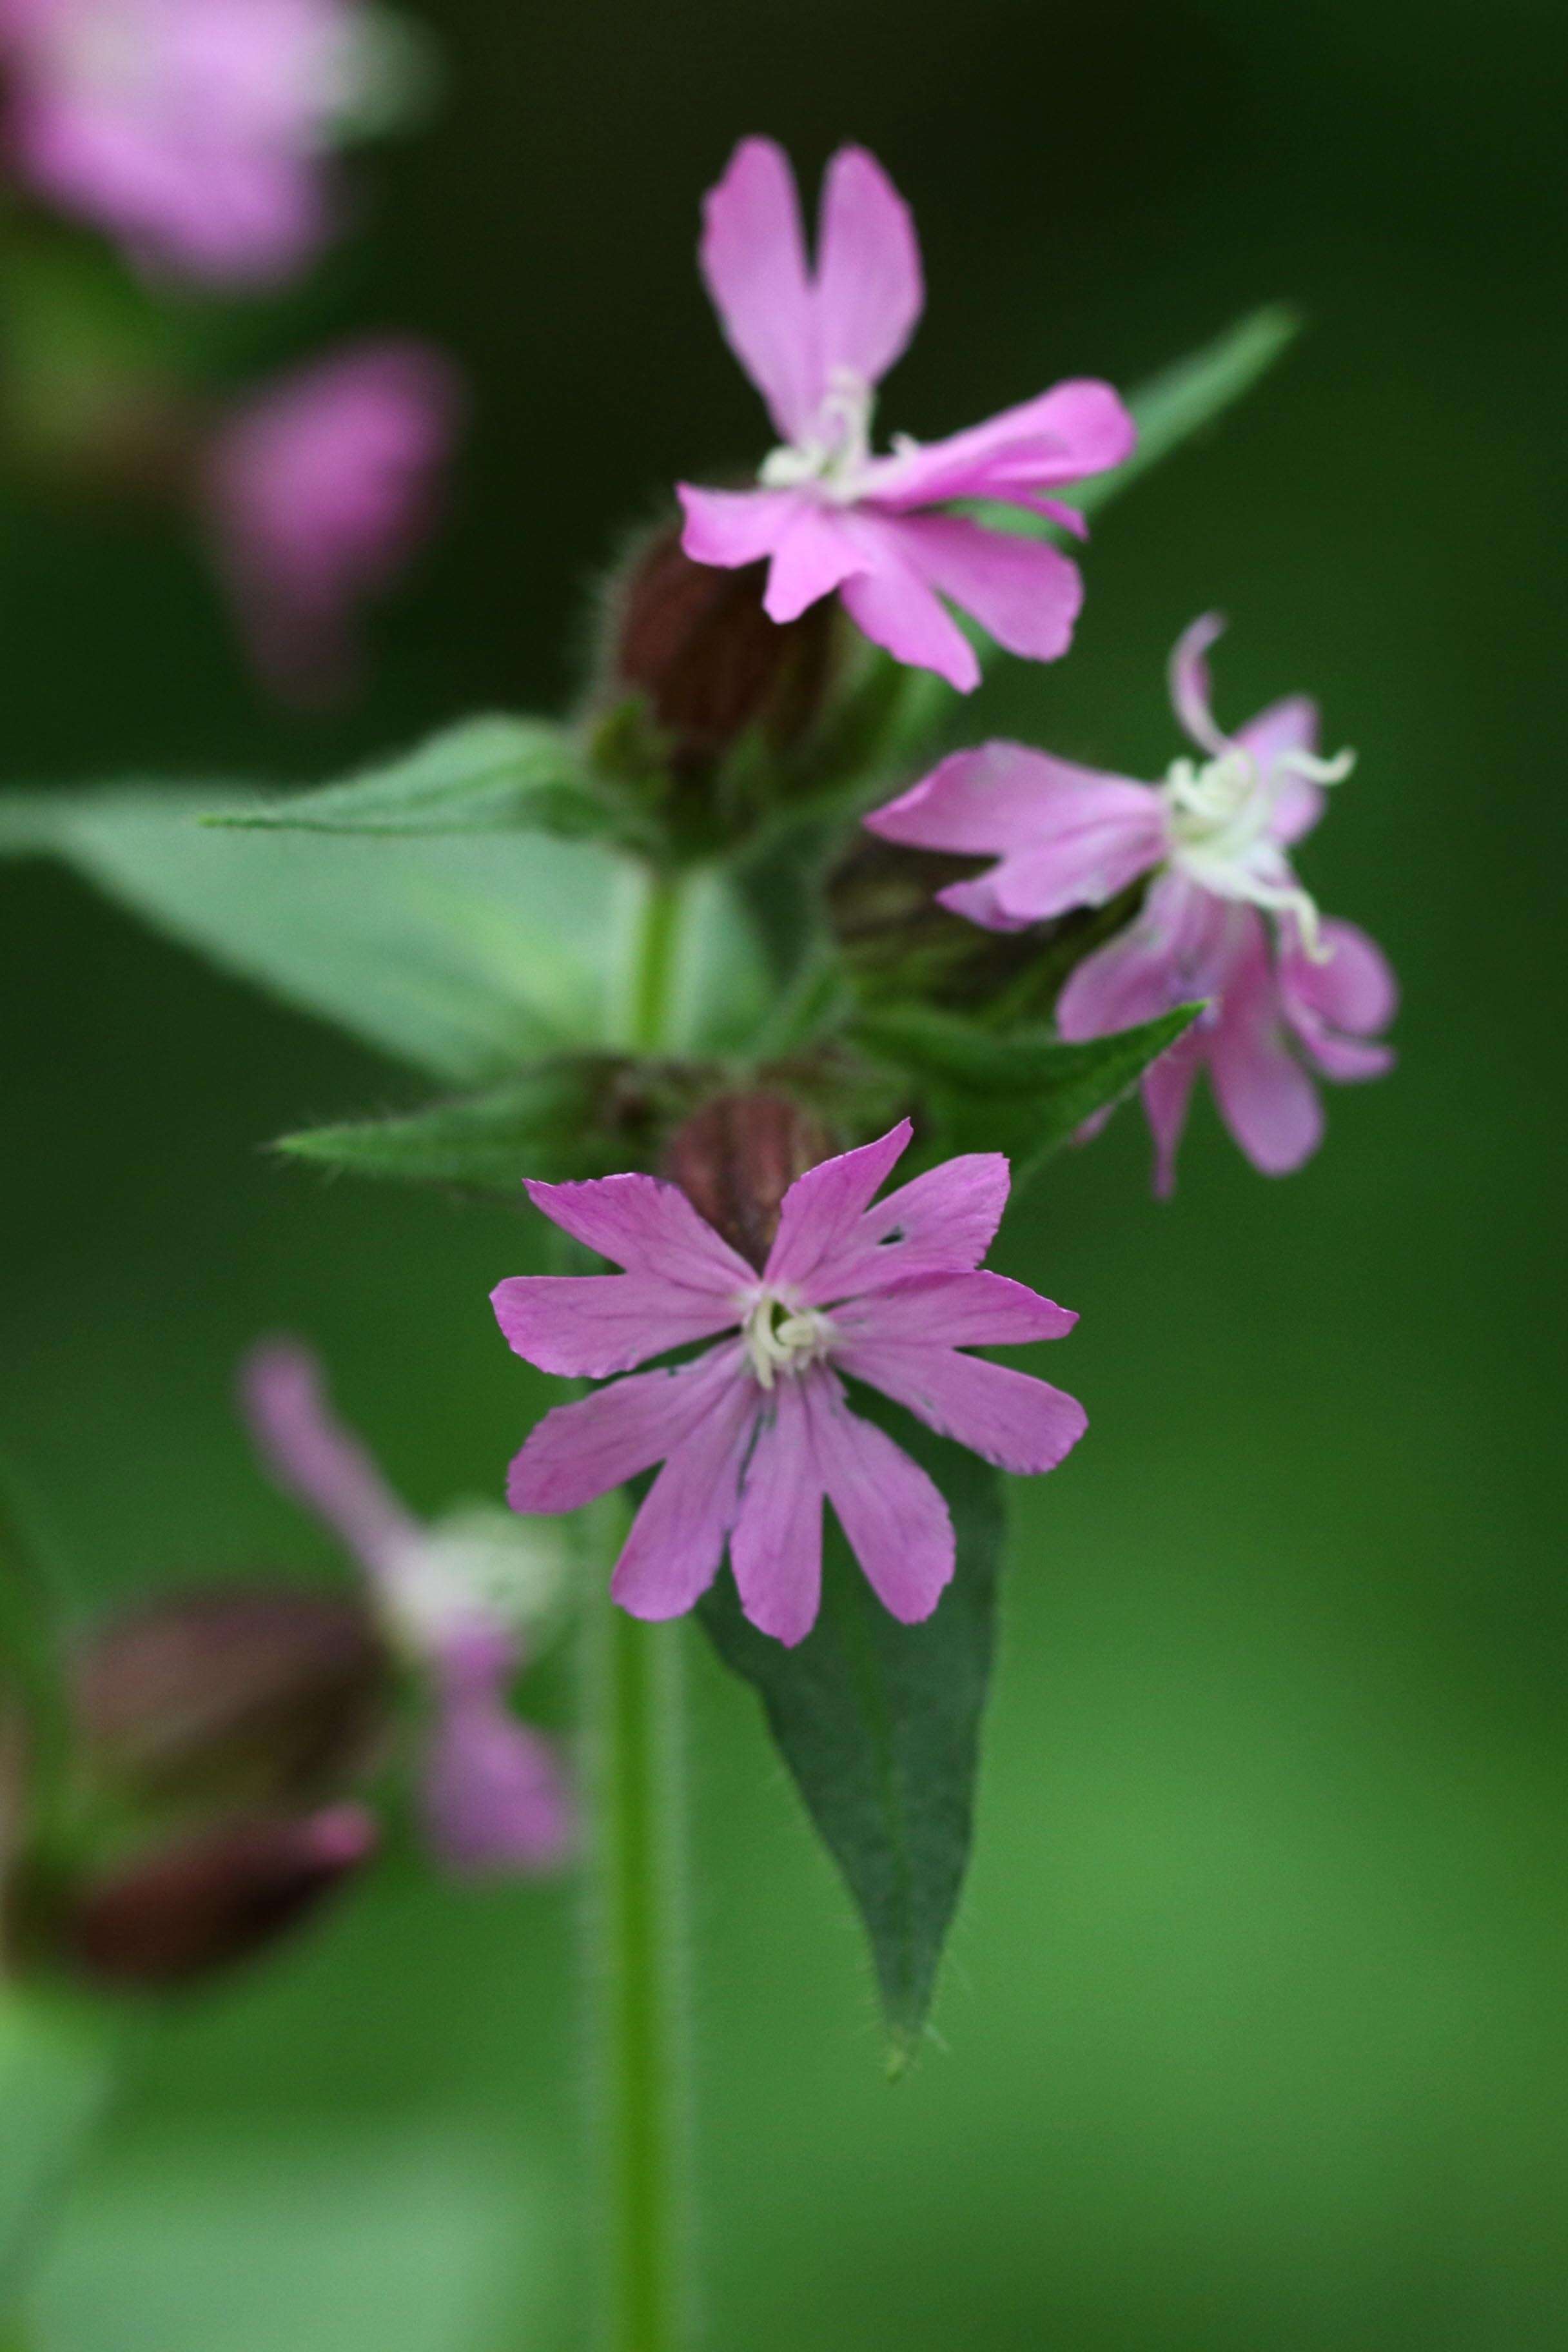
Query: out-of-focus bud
{"points": [[231, 1696], [897, 941], [695, 642], [190, 1908], [737, 1157]]}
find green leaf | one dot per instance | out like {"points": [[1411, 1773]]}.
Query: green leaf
{"points": [[466, 958], [1180, 400], [491, 774], [56, 2075], [1026, 1094], [879, 1724], [581, 1115], [1171, 408]]}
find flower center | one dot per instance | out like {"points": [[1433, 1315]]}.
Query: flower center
{"points": [[1220, 816], [783, 1337], [475, 1568], [835, 453]]}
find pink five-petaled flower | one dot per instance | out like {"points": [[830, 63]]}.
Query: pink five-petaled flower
{"points": [[315, 494], [456, 1598], [755, 1432], [830, 515], [1216, 835], [192, 130]]}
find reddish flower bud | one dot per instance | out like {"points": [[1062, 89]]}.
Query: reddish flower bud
{"points": [[235, 1695], [737, 1157], [697, 644], [186, 1910]]}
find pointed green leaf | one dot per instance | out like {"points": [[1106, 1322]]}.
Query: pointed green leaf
{"points": [[466, 958], [1174, 405], [1027, 1093], [584, 1116], [879, 1724], [491, 774]]}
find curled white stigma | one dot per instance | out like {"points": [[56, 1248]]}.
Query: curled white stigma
{"points": [[835, 453], [477, 1565], [1220, 812], [781, 1336]]}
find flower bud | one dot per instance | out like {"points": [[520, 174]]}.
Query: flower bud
{"points": [[898, 942], [737, 1157], [186, 1910], [696, 643], [230, 1696]]}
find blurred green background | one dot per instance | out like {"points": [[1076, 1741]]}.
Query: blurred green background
{"points": [[1255, 2029]]}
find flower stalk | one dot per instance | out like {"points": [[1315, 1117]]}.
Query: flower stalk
{"points": [[637, 1914], [638, 1984]]}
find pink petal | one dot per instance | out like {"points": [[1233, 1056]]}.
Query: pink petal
{"points": [[588, 1325], [816, 554], [1353, 987], [978, 901], [583, 1449], [775, 1550], [898, 612], [754, 264], [868, 289], [1180, 949], [1189, 679], [1266, 1098], [1001, 797], [730, 528], [493, 1795], [821, 1208], [944, 1221], [1288, 725], [893, 1515], [648, 1226], [1024, 593], [1010, 1417], [1077, 429], [1167, 1095], [954, 1310], [1336, 1006], [315, 1458], [1081, 868], [677, 1542]]}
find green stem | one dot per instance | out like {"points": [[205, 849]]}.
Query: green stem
{"points": [[637, 1922], [654, 972], [639, 1989]]}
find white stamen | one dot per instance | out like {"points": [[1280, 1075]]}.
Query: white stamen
{"points": [[780, 1336], [837, 450], [1221, 818], [477, 1566]]}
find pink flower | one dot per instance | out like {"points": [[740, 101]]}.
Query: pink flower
{"points": [[192, 130], [829, 514], [316, 494], [1225, 919], [755, 1432], [457, 1597]]}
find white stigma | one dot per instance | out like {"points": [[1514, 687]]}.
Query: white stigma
{"points": [[1220, 813], [477, 1566], [834, 454], [782, 1337]]}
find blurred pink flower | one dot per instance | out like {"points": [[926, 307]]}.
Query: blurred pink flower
{"points": [[753, 1434], [316, 493], [1216, 835], [829, 514], [457, 1597], [192, 130]]}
